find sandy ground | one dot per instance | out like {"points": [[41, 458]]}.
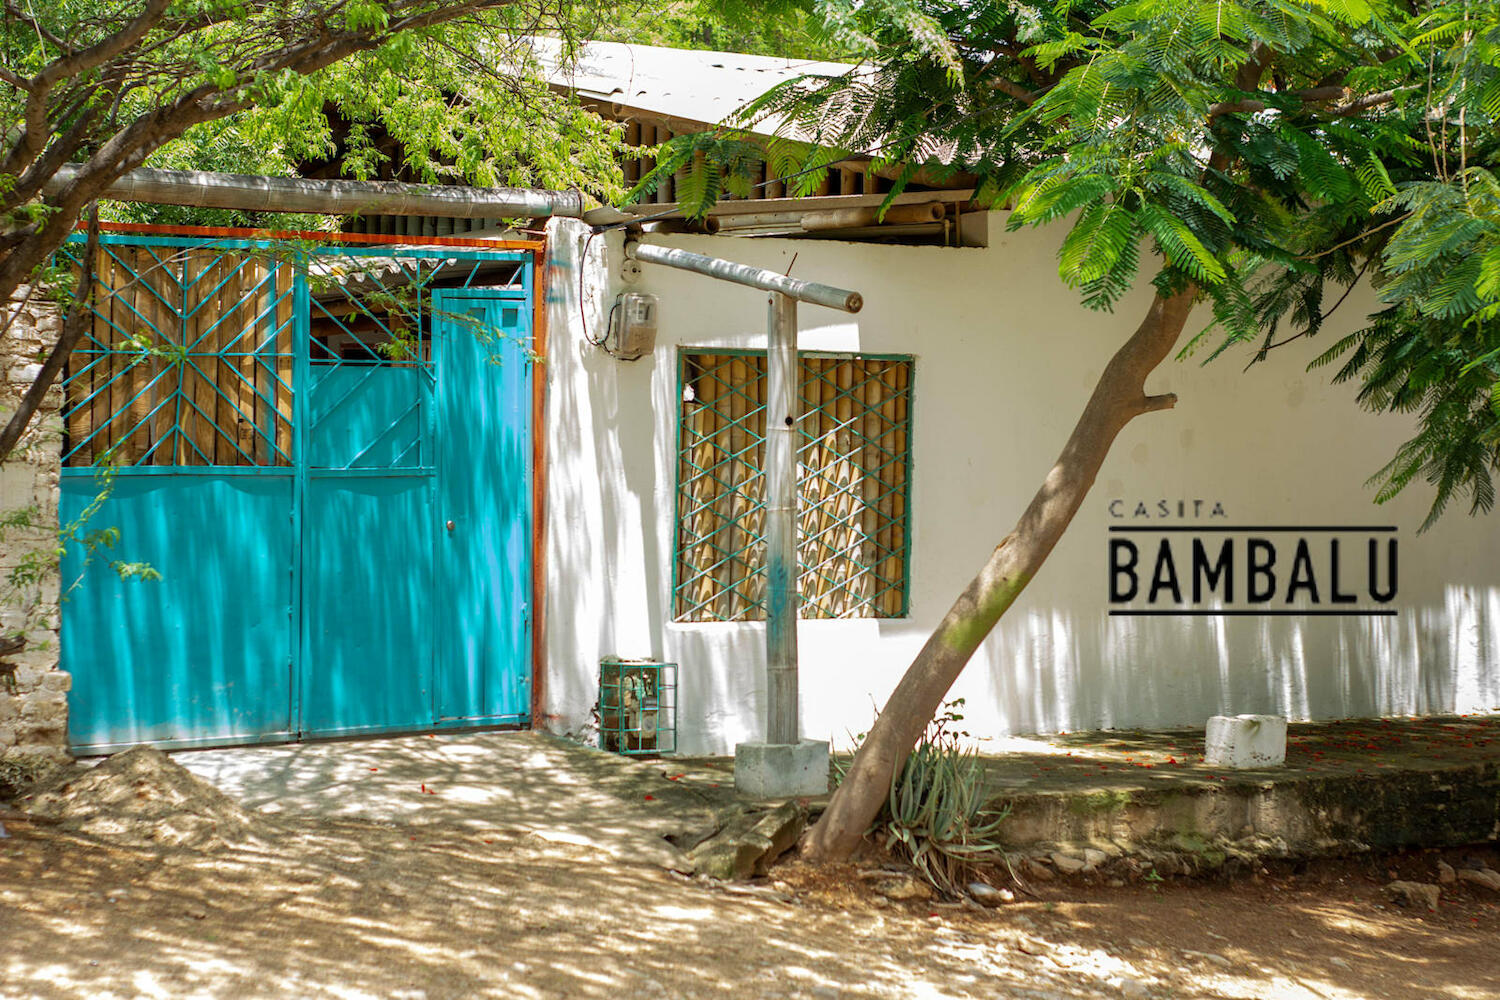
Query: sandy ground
{"points": [[351, 908], [513, 865]]}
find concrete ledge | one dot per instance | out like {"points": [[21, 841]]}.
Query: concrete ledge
{"points": [[781, 770], [1346, 787], [1303, 816]]}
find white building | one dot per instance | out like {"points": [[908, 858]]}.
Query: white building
{"points": [[1002, 359], [998, 359]]}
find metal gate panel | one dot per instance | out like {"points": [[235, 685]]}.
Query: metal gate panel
{"points": [[203, 654], [369, 418], [367, 605], [367, 539]]}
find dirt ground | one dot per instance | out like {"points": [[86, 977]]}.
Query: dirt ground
{"points": [[346, 908]]}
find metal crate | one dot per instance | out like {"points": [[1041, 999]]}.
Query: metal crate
{"points": [[637, 706]]}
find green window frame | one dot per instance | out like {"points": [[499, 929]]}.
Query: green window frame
{"points": [[854, 485]]}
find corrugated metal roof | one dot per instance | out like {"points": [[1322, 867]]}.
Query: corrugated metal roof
{"points": [[692, 84]]}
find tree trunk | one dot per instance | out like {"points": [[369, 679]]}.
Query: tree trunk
{"points": [[1119, 396]]}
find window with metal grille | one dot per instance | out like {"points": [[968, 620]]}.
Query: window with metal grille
{"points": [[853, 476]]}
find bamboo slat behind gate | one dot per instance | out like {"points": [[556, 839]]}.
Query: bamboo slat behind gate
{"points": [[285, 330], [158, 289], [186, 360]]}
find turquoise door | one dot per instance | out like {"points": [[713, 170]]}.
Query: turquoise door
{"points": [[483, 343], [342, 535]]}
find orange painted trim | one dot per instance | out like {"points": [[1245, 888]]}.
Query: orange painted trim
{"points": [[372, 239], [539, 496]]}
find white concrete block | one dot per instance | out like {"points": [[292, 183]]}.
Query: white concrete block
{"points": [[781, 770], [1245, 741]]}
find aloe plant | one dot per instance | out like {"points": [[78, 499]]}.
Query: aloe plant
{"points": [[937, 815]]}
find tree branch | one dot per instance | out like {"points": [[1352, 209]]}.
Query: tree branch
{"points": [[129, 147], [1268, 346], [1020, 93], [1355, 239], [1365, 103], [34, 129], [1118, 397], [60, 151], [106, 49], [1313, 95]]}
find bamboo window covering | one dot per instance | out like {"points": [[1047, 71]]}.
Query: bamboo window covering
{"points": [[854, 466]]}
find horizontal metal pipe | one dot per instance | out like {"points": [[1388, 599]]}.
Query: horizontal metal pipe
{"points": [[850, 218], [744, 274], [252, 193]]}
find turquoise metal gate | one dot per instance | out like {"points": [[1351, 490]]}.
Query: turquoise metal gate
{"points": [[325, 455]]}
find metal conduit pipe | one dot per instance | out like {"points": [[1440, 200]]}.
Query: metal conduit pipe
{"points": [[744, 274], [251, 193]]}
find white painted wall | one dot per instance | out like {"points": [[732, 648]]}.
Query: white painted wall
{"points": [[1005, 360]]}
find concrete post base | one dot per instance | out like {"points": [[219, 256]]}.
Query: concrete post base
{"points": [[1245, 741], [781, 770]]}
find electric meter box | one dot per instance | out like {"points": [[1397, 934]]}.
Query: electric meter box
{"points": [[633, 332]]}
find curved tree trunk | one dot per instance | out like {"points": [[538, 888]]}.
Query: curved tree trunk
{"points": [[1118, 397]]}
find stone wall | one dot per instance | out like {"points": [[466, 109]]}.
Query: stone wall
{"points": [[33, 691]]}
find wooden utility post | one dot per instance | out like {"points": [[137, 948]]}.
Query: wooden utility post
{"points": [[782, 595]]}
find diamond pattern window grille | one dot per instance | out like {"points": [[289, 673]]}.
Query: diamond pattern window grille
{"points": [[853, 476]]}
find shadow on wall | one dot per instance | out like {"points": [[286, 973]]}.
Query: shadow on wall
{"points": [[607, 548], [602, 491], [1049, 670], [575, 528]]}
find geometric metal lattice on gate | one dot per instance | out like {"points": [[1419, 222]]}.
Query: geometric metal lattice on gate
{"points": [[190, 357], [371, 375], [853, 476], [187, 360]]}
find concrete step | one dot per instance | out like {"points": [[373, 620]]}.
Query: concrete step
{"points": [[1346, 786]]}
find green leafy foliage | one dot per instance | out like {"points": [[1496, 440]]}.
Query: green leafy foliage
{"points": [[427, 90], [90, 542], [713, 165], [1270, 154]]}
